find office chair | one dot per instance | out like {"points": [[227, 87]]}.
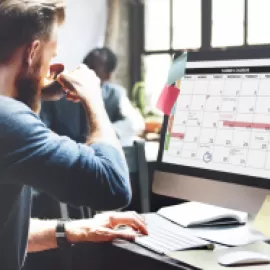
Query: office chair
{"points": [[138, 169]]}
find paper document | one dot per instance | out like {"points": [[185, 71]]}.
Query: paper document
{"points": [[230, 236], [195, 214]]}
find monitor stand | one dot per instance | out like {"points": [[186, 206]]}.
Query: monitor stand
{"points": [[228, 195]]}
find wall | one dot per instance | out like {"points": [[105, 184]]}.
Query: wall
{"points": [[121, 46], [84, 29]]}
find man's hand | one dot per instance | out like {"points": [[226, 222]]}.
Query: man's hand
{"points": [[81, 84], [103, 227], [52, 90]]}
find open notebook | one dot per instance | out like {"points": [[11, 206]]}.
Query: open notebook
{"points": [[194, 214]]}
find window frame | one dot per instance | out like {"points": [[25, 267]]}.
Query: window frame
{"points": [[137, 36]]}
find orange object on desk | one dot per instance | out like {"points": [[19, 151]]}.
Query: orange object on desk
{"points": [[152, 126]]}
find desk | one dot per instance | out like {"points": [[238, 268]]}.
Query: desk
{"points": [[128, 256], [121, 256]]}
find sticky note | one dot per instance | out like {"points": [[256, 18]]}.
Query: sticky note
{"points": [[167, 99], [262, 220], [177, 69]]}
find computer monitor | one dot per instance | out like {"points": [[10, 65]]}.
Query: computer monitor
{"points": [[215, 146]]}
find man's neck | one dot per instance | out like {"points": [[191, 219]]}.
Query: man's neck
{"points": [[7, 80]]}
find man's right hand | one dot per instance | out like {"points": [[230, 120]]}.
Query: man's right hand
{"points": [[81, 84], [103, 227]]}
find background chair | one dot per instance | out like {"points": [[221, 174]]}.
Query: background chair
{"points": [[138, 169]]}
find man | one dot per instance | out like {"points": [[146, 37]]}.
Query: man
{"points": [[126, 120], [94, 174]]}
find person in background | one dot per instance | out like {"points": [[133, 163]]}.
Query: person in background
{"points": [[127, 121], [93, 174]]}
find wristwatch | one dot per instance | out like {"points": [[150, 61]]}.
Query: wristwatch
{"points": [[61, 238]]}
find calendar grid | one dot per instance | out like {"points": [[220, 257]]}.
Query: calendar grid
{"points": [[223, 119]]}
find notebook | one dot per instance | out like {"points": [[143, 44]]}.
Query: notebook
{"points": [[194, 214]]}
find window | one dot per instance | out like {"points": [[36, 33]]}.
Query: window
{"points": [[168, 27], [187, 28], [174, 25], [156, 72], [258, 22], [228, 18], [157, 25]]}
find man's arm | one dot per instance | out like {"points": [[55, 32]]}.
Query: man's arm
{"points": [[95, 175], [42, 233], [131, 124], [91, 99]]}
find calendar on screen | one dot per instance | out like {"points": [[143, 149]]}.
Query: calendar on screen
{"points": [[221, 120]]}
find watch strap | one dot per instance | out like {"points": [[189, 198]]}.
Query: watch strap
{"points": [[61, 238]]}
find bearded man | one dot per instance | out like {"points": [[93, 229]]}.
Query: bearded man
{"points": [[93, 174]]}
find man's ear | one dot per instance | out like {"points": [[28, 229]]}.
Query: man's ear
{"points": [[32, 52]]}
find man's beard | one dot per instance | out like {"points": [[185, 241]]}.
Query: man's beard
{"points": [[28, 85]]}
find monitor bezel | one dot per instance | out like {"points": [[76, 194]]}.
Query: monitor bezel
{"points": [[214, 55]]}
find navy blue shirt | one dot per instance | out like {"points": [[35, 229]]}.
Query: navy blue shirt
{"points": [[68, 118], [33, 156]]}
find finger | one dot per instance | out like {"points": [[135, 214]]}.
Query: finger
{"points": [[65, 82], [141, 226], [124, 234], [72, 98], [72, 95], [140, 217], [133, 222], [135, 228]]}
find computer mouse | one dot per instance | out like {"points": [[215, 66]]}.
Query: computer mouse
{"points": [[237, 258]]}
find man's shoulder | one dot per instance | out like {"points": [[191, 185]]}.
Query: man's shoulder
{"points": [[12, 111], [10, 105]]}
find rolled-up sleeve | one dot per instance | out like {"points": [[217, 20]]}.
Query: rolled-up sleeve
{"points": [[95, 176]]}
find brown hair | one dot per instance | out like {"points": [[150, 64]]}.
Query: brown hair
{"points": [[22, 21]]}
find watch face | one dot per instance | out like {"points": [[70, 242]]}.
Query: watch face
{"points": [[61, 235]]}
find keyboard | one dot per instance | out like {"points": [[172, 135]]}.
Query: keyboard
{"points": [[165, 237]]}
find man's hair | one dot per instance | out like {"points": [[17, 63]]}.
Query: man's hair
{"points": [[22, 21], [101, 57]]}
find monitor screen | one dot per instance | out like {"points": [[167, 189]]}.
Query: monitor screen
{"points": [[220, 125]]}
